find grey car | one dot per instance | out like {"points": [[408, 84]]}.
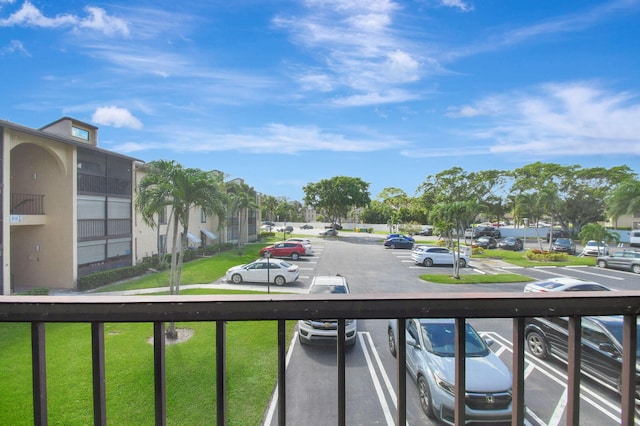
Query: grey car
{"points": [[627, 260], [431, 363]]}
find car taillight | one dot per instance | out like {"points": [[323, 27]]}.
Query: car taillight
{"points": [[291, 270]]}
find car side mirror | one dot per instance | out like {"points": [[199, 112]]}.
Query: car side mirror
{"points": [[488, 341], [609, 348], [412, 342]]}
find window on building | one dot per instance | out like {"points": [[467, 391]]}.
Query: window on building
{"points": [[162, 216], [77, 132], [203, 216]]}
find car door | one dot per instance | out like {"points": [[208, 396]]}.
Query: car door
{"points": [[442, 256], [279, 250], [256, 272], [413, 350], [617, 260], [600, 358]]}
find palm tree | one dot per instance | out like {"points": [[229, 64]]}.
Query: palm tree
{"points": [[241, 198], [168, 184], [625, 199], [456, 216]]}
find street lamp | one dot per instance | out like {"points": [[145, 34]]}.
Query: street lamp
{"points": [[267, 254]]}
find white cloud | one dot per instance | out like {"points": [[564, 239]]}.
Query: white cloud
{"points": [[13, 47], [116, 117], [462, 5], [560, 119], [272, 138], [30, 16]]}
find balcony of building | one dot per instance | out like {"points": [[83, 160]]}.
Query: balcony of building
{"points": [[98, 310], [27, 209]]}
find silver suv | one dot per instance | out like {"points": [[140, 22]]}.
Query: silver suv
{"points": [[324, 330]]}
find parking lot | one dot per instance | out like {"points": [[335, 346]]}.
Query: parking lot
{"points": [[371, 370]]}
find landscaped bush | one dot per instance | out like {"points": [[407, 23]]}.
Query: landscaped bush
{"points": [[545, 256]]}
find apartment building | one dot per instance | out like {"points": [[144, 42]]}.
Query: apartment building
{"points": [[68, 208]]}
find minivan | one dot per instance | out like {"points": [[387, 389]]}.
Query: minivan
{"points": [[634, 239]]}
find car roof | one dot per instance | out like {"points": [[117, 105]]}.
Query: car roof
{"points": [[563, 281], [335, 284]]}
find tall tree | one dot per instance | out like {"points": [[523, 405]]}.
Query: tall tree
{"points": [[454, 216], [625, 199], [337, 196], [240, 199], [168, 184]]}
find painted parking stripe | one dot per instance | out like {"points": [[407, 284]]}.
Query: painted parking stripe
{"points": [[376, 382]]}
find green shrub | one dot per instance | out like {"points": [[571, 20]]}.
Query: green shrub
{"points": [[545, 256]]}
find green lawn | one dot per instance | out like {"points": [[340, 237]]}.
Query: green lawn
{"points": [[475, 278]]}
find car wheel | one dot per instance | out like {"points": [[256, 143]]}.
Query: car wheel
{"points": [[295, 256], [462, 263], [635, 269], [427, 262], [392, 342], [236, 278], [537, 345], [279, 280], [602, 263], [393, 246], [425, 397]]}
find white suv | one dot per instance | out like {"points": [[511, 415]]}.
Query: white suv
{"points": [[323, 330]]}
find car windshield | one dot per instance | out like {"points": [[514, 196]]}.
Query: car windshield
{"points": [[334, 289], [440, 340]]}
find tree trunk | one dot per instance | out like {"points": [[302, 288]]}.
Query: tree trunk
{"points": [[172, 332]]}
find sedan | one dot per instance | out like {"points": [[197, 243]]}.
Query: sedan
{"points": [[398, 242], [433, 255], [329, 233], [406, 237], [511, 243], [601, 347], [285, 249], [564, 284], [306, 226], [487, 242], [595, 248], [285, 229], [430, 360], [276, 271], [627, 260], [564, 245]]}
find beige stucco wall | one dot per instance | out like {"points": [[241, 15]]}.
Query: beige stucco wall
{"points": [[43, 255]]}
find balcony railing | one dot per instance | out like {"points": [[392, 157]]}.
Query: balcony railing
{"points": [[27, 204], [98, 310]]}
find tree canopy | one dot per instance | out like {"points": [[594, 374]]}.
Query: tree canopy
{"points": [[337, 196]]}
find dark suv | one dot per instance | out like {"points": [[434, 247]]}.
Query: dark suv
{"points": [[553, 234], [601, 346], [488, 231]]}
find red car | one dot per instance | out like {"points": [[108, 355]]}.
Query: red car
{"points": [[285, 249]]}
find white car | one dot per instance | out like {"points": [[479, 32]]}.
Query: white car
{"points": [[264, 270], [435, 255], [306, 243], [326, 330], [594, 248], [563, 284]]}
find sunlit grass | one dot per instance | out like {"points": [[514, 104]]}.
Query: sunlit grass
{"points": [[475, 278]]}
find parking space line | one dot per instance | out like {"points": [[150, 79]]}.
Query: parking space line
{"points": [[376, 382], [602, 275]]}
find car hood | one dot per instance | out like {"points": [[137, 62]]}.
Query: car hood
{"points": [[483, 374], [236, 268]]}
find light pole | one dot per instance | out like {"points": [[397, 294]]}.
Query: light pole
{"points": [[524, 232], [267, 254]]}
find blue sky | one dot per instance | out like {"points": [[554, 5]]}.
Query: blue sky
{"points": [[283, 93]]}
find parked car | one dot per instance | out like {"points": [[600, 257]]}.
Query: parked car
{"points": [[399, 243], [277, 271], [268, 222], [286, 229], [266, 228], [333, 226], [601, 347], [564, 284], [480, 231], [511, 243], [564, 245], [553, 234], [595, 248], [634, 239], [285, 249], [329, 233], [326, 330], [426, 231], [627, 260], [430, 360], [433, 255], [487, 242], [306, 226], [306, 243], [400, 236]]}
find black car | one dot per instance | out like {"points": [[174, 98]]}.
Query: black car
{"points": [[306, 226], [487, 242], [601, 346], [564, 245], [511, 243], [399, 243]]}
